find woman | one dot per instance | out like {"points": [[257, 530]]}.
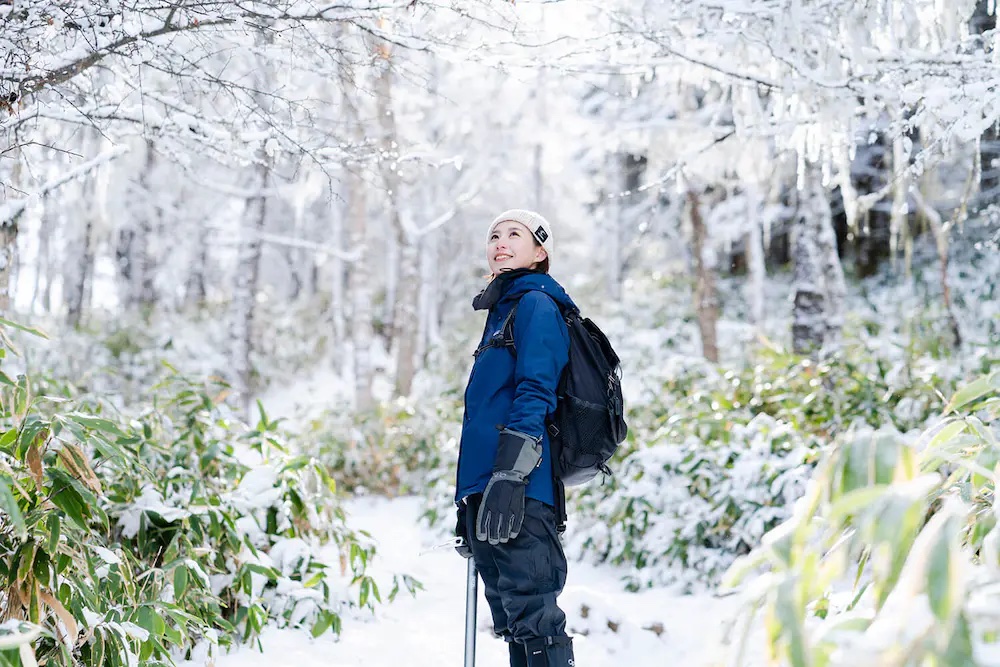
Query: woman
{"points": [[505, 491]]}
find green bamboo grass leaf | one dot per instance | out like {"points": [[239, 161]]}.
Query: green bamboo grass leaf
{"points": [[7, 438], [9, 504], [972, 392], [851, 503], [941, 583], [792, 627], [96, 423], [180, 581], [14, 325]]}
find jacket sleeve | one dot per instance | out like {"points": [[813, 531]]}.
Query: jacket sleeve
{"points": [[542, 344]]}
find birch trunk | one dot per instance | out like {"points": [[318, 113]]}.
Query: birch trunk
{"points": [[244, 301], [819, 285], [195, 292], [43, 269], [706, 300], [78, 270], [613, 239], [359, 283], [245, 288], [404, 323], [940, 232], [829, 257], [79, 262], [983, 21], [335, 212], [8, 238], [8, 249], [898, 216], [135, 265], [359, 288], [756, 270]]}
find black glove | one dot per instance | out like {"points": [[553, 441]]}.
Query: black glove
{"points": [[502, 510], [462, 533]]}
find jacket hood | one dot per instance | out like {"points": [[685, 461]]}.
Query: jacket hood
{"points": [[512, 285]]}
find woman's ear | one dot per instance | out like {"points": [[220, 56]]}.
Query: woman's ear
{"points": [[540, 254]]}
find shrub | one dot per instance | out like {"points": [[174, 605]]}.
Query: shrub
{"points": [[893, 556], [715, 459], [394, 448], [134, 539]]}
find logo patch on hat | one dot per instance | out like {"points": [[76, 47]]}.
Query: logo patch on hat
{"points": [[541, 234]]}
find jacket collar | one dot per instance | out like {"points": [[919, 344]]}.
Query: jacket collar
{"points": [[497, 288]]}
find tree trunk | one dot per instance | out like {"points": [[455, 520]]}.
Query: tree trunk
{"points": [[8, 249], [360, 290], [136, 267], [982, 21], [331, 208], [245, 289], [404, 322], [612, 240], [940, 232], [819, 284], [899, 215], [43, 267], [78, 271], [195, 291], [706, 300], [244, 302], [756, 269], [359, 279], [8, 238]]}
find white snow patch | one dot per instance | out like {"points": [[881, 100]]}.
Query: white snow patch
{"points": [[653, 627]]}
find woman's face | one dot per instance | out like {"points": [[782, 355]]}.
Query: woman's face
{"points": [[511, 246]]}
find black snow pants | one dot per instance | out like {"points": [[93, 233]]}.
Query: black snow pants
{"points": [[523, 577]]}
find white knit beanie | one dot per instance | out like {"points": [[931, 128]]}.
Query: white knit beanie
{"points": [[536, 224]]}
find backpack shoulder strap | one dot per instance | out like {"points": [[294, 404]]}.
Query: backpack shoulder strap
{"points": [[504, 337], [507, 330]]}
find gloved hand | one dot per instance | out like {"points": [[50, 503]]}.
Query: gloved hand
{"points": [[502, 510], [462, 533]]}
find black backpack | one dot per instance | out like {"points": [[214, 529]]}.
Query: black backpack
{"points": [[589, 421]]}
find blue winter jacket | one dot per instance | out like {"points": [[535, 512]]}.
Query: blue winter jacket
{"points": [[514, 390]]}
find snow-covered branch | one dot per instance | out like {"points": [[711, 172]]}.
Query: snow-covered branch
{"points": [[11, 210]]}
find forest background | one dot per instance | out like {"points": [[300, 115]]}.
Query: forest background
{"points": [[783, 212]]}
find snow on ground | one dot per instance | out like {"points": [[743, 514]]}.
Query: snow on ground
{"points": [[428, 630]]}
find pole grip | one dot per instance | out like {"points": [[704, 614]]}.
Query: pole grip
{"points": [[471, 598]]}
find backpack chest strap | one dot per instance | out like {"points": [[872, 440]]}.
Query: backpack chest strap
{"points": [[502, 338]]}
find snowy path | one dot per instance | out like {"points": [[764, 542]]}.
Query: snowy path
{"points": [[427, 631]]}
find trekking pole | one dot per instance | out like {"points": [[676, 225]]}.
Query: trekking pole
{"points": [[471, 598]]}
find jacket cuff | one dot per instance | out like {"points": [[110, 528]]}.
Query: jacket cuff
{"points": [[518, 453]]}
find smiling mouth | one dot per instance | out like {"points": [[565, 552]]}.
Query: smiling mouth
{"points": [[502, 258]]}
